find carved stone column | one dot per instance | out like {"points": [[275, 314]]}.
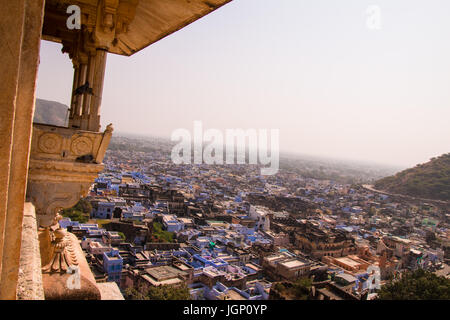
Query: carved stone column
{"points": [[101, 23]]}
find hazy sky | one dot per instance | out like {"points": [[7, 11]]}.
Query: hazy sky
{"points": [[311, 68]]}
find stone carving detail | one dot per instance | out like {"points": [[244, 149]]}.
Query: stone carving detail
{"points": [[56, 180], [49, 200], [81, 146], [63, 253], [68, 144], [50, 143], [56, 166], [102, 22]]}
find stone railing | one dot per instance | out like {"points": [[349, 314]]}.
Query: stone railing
{"points": [[29, 286], [66, 144]]}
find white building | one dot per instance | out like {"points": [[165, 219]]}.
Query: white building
{"points": [[261, 216]]}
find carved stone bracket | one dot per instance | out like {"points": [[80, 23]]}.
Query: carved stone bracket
{"points": [[57, 192], [63, 165], [101, 22]]}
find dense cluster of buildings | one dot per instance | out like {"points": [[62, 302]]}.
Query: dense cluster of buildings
{"points": [[226, 232]]}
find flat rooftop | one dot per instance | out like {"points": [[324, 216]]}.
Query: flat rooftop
{"points": [[182, 266], [293, 264], [234, 295], [252, 266], [275, 257], [164, 273], [349, 262], [172, 281], [113, 258]]}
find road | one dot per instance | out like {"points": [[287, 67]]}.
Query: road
{"points": [[371, 188]]}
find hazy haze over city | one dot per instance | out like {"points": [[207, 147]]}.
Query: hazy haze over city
{"points": [[309, 68]]}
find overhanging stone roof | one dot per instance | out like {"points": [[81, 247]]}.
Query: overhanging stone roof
{"points": [[146, 21]]}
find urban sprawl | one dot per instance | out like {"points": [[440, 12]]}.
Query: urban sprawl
{"points": [[226, 232]]}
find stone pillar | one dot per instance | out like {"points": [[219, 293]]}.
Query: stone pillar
{"points": [[21, 25], [76, 76], [99, 77], [30, 285], [86, 107], [12, 14], [80, 76]]}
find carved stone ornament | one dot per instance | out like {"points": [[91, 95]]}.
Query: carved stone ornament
{"points": [[51, 197], [63, 253], [81, 146], [57, 180], [50, 143]]}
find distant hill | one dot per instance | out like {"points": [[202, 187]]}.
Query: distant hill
{"points": [[430, 180], [50, 112]]}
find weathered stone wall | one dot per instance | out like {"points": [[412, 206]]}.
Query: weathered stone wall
{"points": [[130, 230], [21, 24], [110, 291], [29, 285]]}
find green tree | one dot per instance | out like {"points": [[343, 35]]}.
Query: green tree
{"points": [[169, 293], [430, 237], [79, 212], [133, 294], [298, 290], [417, 285], [159, 293], [160, 235], [302, 288]]}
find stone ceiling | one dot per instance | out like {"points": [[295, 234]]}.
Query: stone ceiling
{"points": [[123, 27]]}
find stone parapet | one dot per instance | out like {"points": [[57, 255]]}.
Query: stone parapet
{"points": [[29, 286], [110, 291], [67, 144], [71, 285]]}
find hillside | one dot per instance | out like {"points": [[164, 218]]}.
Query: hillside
{"points": [[50, 112], [430, 180]]}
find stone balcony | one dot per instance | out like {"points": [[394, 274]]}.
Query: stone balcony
{"points": [[64, 163], [53, 167]]}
